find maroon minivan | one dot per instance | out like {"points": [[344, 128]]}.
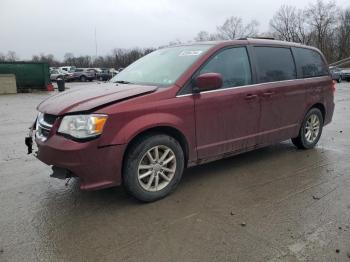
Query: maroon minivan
{"points": [[182, 106]]}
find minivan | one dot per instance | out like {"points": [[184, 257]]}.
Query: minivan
{"points": [[182, 106]]}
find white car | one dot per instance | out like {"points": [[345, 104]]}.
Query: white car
{"points": [[68, 68], [58, 73]]}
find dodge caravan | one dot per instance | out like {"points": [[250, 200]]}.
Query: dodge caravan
{"points": [[182, 106]]}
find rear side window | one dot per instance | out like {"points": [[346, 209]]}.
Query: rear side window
{"points": [[274, 64], [310, 63], [233, 65]]}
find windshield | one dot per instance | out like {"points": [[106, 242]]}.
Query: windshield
{"points": [[161, 67]]}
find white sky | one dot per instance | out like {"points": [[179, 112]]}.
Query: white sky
{"points": [[58, 26]]}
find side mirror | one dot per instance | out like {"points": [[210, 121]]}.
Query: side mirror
{"points": [[208, 81]]}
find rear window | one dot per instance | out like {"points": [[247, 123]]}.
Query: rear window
{"points": [[274, 64], [310, 63]]}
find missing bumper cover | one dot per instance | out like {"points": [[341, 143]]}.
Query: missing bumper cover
{"points": [[60, 173]]}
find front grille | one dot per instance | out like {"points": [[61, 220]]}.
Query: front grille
{"points": [[44, 124]]}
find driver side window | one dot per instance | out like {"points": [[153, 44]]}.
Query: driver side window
{"points": [[233, 65]]}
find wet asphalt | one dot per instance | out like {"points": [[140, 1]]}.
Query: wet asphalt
{"points": [[274, 204]]}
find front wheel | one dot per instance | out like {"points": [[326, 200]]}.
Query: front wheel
{"points": [[153, 167], [310, 130]]}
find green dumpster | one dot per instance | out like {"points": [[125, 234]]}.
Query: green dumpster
{"points": [[29, 75]]}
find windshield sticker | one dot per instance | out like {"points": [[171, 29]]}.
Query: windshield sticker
{"points": [[190, 53]]}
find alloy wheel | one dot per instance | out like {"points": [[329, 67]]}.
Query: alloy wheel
{"points": [[156, 168], [312, 128]]}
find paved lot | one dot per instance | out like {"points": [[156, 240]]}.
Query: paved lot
{"points": [[295, 205]]}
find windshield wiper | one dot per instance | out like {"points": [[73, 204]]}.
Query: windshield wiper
{"points": [[122, 82]]}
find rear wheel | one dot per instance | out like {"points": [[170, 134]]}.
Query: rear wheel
{"points": [[310, 130], [153, 167], [83, 78]]}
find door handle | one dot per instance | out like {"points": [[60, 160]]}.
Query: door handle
{"points": [[250, 97], [268, 94]]}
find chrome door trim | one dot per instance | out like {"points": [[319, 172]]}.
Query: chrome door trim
{"points": [[245, 86]]}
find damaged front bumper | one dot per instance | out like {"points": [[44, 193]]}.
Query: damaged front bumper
{"points": [[61, 173], [97, 167]]}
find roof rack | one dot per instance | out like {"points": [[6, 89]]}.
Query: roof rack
{"points": [[257, 37]]}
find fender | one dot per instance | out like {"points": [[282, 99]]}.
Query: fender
{"points": [[142, 123], [310, 105], [131, 128]]}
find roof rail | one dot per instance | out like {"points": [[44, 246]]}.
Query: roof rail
{"points": [[257, 37]]}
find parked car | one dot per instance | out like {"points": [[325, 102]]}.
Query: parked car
{"points": [[113, 72], [345, 74], [58, 73], [103, 75], [84, 74], [182, 106], [69, 69], [336, 74]]}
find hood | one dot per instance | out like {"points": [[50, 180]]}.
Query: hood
{"points": [[88, 98]]}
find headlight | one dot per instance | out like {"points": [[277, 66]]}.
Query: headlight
{"points": [[82, 126]]}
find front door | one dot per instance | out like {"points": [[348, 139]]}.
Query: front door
{"points": [[227, 119]]}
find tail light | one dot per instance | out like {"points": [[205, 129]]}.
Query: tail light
{"points": [[333, 86]]}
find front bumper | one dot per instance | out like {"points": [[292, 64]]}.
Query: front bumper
{"points": [[97, 167], [346, 76]]}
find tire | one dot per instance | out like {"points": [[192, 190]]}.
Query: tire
{"points": [[305, 140], [101, 78], [339, 80], [82, 78], [138, 164]]}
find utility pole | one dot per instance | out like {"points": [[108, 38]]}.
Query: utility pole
{"points": [[95, 44]]}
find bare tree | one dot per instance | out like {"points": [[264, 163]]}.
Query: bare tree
{"points": [[174, 42], [322, 19], [50, 59], [2, 57], [234, 28], [289, 24], [206, 36], [11, 56], [343, 35], [68, 56], [124, 57]]}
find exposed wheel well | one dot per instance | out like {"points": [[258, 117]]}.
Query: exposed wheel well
{"points": [[322, 109], [170, 131]]}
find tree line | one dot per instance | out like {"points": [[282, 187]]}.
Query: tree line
{"points": [[321, 24], [119, 58]]}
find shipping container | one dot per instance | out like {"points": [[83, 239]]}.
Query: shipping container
{"points": [[29, 75]]}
